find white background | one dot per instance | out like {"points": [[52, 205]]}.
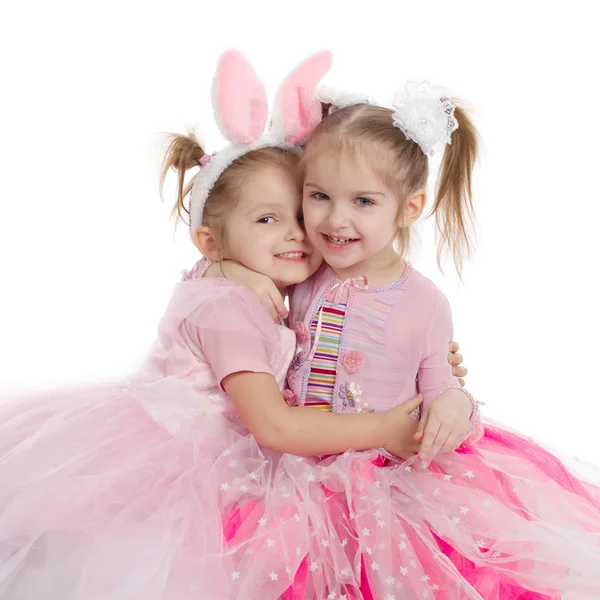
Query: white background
{"points": [[87, 254]]}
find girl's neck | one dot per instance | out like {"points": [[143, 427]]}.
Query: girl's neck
{"points": [[380, 270]]}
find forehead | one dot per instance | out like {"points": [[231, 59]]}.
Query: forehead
{"points": [[348, 168], [272, 186]]}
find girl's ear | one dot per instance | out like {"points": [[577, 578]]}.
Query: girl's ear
{"points": [[239, 99], [206, 242], [297, 111], [413, 209]]}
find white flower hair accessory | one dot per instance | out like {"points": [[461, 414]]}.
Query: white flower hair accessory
{"points": [[241, 110], [425, 114]]}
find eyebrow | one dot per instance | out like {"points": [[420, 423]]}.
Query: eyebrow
{"points": [[264, 207], [355, 194]]}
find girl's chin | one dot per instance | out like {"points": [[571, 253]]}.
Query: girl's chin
{"points": [[288, 282]]}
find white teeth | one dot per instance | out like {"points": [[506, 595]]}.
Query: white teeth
{"points": [[339, 240], [291, 255]]}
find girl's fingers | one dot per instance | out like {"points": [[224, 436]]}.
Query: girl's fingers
{"points": [[440, 441], [453, 442], [429, 438], [422, 424], [459, 371], [456, 359], [278, 303]]}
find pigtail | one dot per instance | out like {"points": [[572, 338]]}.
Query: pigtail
{"points": [[453, 205], [182, 154]]}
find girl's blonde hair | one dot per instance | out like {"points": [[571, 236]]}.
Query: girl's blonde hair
{"points": [[184, 153], [404, 167]]}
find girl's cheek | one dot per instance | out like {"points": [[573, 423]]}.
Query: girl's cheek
{"points": [[310, 231], [310, 216]]}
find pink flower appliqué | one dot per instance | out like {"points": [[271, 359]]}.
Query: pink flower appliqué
{"points": [[289, 397], [353, 361], [301, 333]]}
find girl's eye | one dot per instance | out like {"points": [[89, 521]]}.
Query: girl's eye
{"points": [[320, 196], [301, 219], [267, 220], [364, 202]]}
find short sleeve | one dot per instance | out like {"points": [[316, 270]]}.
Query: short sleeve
{"points": [[234, 332], [435, 373]]}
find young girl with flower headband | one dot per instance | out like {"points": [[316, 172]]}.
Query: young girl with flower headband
{"points": [[499, 518], [189, 481]]}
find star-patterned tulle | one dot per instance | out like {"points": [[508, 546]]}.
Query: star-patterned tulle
{"points": [[156, 490]]}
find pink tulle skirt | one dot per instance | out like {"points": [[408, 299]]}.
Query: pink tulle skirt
{"points": [[99, 502]]}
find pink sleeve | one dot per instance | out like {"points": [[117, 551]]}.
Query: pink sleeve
{"points": [[435, 373], [235, 332]]}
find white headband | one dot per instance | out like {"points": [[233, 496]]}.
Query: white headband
{"points": [[241, 110]]}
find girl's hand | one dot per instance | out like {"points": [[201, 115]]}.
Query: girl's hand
{"points": [[261, 285], [444, 424], [456, 359], [399, 429]]}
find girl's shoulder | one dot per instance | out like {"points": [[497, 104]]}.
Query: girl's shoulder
{"points": [[208, 290], [417, 299], [423, 287], [221, 297], [211, 301], [411, 286]]}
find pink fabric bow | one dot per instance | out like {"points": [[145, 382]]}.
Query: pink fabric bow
{"points": [[344, 286], [205, 160]]}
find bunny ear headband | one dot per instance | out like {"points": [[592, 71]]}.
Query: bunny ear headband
{"points": [[241, 110], [424, 113]]}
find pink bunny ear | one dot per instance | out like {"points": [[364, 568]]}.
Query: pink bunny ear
{"points": [[239, 99], [297, 110]]}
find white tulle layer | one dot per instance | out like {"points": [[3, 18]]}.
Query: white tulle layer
{"points": [[99, 502]]}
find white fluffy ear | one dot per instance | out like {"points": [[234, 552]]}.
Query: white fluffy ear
{"points": [[297, 110], [239, 99]]}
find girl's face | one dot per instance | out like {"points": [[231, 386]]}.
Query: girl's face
{"points": [[350, 216], [265, 233]]}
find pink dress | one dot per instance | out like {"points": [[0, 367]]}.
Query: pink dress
{"points": [[501, 520], [155, 490], [120, 492]]}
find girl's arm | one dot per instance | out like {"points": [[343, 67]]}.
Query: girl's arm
{"points": [[243, 349], [449, 413], [306, 431]]}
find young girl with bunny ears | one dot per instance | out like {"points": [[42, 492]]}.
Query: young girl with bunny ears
{"points": [[479, 514], [188, 481]]}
